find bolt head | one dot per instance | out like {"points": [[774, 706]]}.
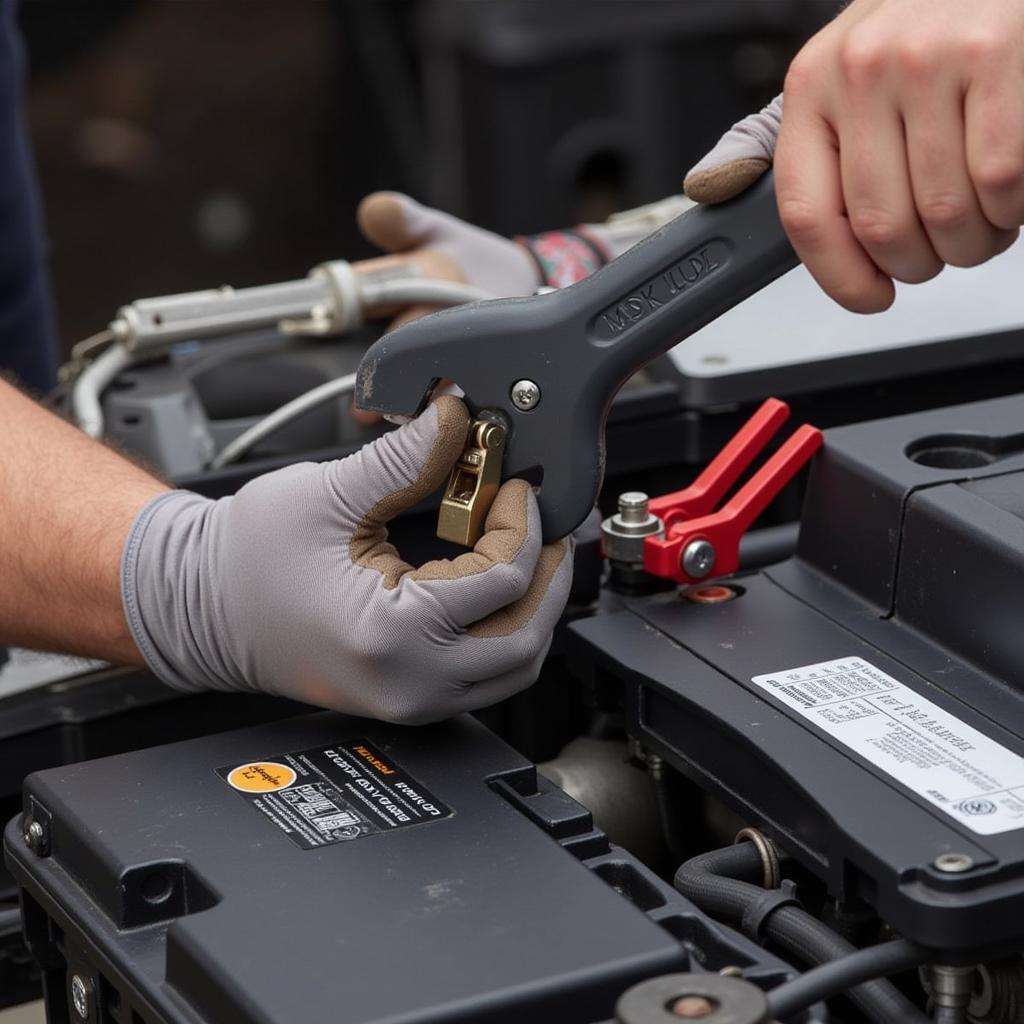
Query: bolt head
{"points": [[698, 559], [525, 395], [80, 996], [953, 863], [493, 436], [34, 835]]}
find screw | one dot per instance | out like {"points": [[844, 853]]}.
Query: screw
{"points": [[693, 1007], [525, 395], [953, 863], [633, 507], [698, 559], [34, 836], [80, 990]]}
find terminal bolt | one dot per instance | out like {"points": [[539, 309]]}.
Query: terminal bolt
{"points": [[623, 534]]}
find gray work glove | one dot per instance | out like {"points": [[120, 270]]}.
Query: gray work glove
{"points": [[291, 587], [738, 159]]}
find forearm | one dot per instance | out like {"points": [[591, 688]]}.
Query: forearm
{"points": [[66, 506]]}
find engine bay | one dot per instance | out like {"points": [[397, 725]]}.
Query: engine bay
{"points": [[716, 790]]}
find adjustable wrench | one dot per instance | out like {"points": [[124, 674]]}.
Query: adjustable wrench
{"points": [[548, 366]]}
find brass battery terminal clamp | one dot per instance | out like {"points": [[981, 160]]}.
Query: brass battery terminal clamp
{"points": [[473, 482], [548, 366]]}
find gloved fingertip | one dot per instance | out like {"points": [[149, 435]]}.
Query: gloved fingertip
{"points": [[446, 437], [510, 519], [384, 218], [718, 184], [452, 419]]}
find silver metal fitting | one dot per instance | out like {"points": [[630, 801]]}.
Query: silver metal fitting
{"points": [[698, 559], [951, 987], [953, 863], [525, 395], [624, 533], [165, 319], [34, 835], [81, 996], [768, 853]]}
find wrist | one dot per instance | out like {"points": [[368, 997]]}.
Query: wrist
{"points": [[159, 572], [564, 256]]}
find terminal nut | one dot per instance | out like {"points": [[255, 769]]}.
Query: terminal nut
{"points": [[623, 534]]}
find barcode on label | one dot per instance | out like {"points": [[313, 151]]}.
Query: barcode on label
{"points": [[329, 822]]}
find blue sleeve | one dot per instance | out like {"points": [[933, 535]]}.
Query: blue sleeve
{"points": [[27, 342]]}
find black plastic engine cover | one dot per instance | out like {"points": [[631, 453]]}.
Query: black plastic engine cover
{"points": [[863, 702], [413, 875]]}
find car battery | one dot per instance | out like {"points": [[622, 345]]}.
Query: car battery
{"points": [[329, 868], [861, 702]]}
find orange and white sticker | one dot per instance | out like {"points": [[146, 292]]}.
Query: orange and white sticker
{"points": [[261, 777]]}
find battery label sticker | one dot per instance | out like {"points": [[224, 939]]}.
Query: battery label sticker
{"points": [[332, 794], [930, 751]]}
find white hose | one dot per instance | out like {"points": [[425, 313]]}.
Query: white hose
{"points": [[90, 385], [279, 417], [416, 291], [87, 391]]}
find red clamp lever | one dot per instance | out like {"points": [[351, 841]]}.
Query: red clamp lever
{"points": [[699, 541]]}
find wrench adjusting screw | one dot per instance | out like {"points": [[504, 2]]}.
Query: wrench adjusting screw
{"points": [[525, 395]]}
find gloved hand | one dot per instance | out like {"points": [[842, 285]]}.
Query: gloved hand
{"points": [[429, 243], [291, 587], [901, 149], [738, 159]]}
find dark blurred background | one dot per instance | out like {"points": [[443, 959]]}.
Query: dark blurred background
{"points": [[187, 143]]}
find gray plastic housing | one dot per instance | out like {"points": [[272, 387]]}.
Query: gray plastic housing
{"points": [[180, 902]]}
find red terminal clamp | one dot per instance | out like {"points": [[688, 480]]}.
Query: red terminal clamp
{"points": [[699, 541]]}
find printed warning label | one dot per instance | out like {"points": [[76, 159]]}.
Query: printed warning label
{"points": [[930, 751], [261, 777], [332, 794]]}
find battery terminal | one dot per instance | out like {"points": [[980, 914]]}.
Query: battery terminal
{"points": [[473, 483]]}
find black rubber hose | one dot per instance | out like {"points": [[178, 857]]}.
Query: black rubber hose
{"points": [[835, 977], [722, 883], [667, 801]]}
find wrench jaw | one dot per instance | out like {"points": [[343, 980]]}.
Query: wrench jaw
{"points": [[383, 388]]}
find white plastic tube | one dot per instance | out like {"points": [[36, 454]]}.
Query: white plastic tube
{"points": [[279, 417], [88, 389], [401, 292]]}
